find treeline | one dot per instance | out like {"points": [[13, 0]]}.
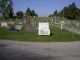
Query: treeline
{"points": [[7, 11], [69, 12], [29, 13]]}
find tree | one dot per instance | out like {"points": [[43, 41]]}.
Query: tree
{"points": [[9, 12], [6, 8], [70, 12], [19, 14], [55, 13], [51, 15], [28, 12], [36, 15], [31, 13]]}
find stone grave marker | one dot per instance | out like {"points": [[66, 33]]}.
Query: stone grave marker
{"points": [[62, 24], [4, 24], [43, 29], [78, 24], [51, 20], [11, 22], [24, 21], [20, 23], [18, 27]]}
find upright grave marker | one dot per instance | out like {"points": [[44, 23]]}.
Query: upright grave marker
{"points": [[62, 24], [43, 29], [4, 24], [18, 27]]}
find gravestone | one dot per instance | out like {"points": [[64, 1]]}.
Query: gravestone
{"points": [[15, 27], [43, 29], [62, 24], [78, 24], [11, 22], [4, 24], [24, 21], [18, 27], [51, 20], [12, 28], [20, 23]]}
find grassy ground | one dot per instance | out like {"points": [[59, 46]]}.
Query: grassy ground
{"points": [[56, 35]]}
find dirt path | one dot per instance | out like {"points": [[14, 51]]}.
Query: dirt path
{"points": [[16, 50]]}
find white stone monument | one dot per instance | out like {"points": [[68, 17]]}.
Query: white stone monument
{"points": [[51, 20], [24, 21], [78, 24], [4, 24], [11, 22], [20, 23], [18, 27], [43, 29], [62, 24]]}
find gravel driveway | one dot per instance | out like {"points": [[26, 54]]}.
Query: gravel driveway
{"points": [[16, 50]]}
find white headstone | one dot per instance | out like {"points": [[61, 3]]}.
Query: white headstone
{"points": [[62, 24], [18, 27], [24, 21], [78, 24], [4, 24], [20, 22], [11, 22], [51, 20], [43, 29]]}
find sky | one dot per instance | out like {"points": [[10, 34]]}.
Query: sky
{"points": [[42, 7]]}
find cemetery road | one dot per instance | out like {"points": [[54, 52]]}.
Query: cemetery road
{"points": [[16, 50]]}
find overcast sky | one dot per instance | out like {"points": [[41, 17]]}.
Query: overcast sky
{"points": [[42, 7]]}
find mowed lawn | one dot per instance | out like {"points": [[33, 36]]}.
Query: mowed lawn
{"points": [[32, 36]]}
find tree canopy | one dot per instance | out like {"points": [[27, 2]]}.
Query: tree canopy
{"points": [[19, 14], [6, 8], [69, 12], [6, 11], [30, 13]]}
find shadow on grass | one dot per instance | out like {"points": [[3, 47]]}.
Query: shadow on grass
{"points": [[51, 34]]}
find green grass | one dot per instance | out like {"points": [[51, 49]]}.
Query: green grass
{"points": [[56, 36]]}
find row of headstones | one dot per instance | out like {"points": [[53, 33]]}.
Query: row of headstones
{"points": [[58, 21], [66, 23], [72, 23], [18, 26], [11, 26]]}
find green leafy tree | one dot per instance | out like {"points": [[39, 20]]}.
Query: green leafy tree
{"points": [[55, 13], [28, 12], [70, 12], [51, 15], [9, 12], [36, 15], [6, 8], [19, 14], [33, 13]]}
